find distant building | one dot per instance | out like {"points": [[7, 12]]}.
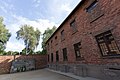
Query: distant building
{"points": [[87, 43]]}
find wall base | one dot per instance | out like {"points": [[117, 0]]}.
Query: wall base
{"points": [[103, 72]]}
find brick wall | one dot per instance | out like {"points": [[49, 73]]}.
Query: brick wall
{"points": [[5, 61], [5, 64], [104, 17]]}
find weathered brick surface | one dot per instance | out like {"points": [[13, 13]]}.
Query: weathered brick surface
{"points": [[106, 16], [87, 30], [5, 61]]}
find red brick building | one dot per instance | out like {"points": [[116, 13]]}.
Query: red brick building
{"points": [[87, 43]]}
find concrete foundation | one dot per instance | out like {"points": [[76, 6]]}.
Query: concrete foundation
{"points": [[103, 72]]}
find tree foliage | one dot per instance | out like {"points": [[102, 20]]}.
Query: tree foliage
{"points": [[11, 53], [4, 36], [30, 36], [46, 35], [43, 52], [28, 50]]}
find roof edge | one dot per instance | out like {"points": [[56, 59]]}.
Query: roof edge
{"points": [[79, 4]]}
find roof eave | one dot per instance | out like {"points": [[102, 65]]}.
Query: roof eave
{"points": [[80, 3]]}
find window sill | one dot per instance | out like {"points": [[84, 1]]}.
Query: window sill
{"points": [[79, 59], [56, 44], [97, 18], [111, 57], [74, 32], [62, 40], [65, 60]]}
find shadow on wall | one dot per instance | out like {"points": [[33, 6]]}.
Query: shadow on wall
{"points": [[20, 63]]}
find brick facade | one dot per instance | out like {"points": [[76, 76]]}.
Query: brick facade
{"points": [[103, 17], [5, 61]]}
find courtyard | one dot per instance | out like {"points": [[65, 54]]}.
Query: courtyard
{"points": [[35, 75], [43, 74]]}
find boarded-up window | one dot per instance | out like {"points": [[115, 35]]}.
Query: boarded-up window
{"points": [[51, 57], [65, 54], [73, 26], [57, 56], [62, 35], [48, 57]]}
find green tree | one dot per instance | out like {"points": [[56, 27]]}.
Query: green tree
{"points": [[4, 35], [3, 53], [38, 52], [30, 36], [46, 35], [10, 53], [15, 53], [41, 52], [23, 51], [28, 50]]}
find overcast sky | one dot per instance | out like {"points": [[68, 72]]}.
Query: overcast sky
{"points": [[40, 14]]}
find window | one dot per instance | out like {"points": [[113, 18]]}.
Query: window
{"points": [[77, 48], [48, 57], [57, 56], [51, 41], [107, 44], [51, 57], [73, 26], [95, 11], [62, 35], [65, 54], [92, 6], [55, 37], [48, 47], [56, 42]]}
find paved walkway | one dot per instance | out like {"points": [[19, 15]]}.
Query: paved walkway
{"points": [[73, 76], [43, 74]]}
